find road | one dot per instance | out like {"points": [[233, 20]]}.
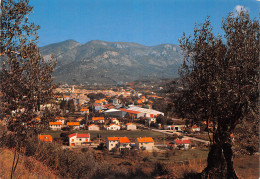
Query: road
{"points": [[170, 132]]}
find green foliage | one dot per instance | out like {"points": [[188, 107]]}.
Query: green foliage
{"points": [[220, 78]]}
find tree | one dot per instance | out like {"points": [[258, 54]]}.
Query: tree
{"points": [[220, 77], [71, 106], [26, 78]]}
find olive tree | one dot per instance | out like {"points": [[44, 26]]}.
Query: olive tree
{"points": [[220, 77], [26, 78]]}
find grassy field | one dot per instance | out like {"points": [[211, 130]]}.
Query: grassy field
{"points": [[103, 134]]}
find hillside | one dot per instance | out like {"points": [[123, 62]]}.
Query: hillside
{"points": [[103, 62], [27, 167]]}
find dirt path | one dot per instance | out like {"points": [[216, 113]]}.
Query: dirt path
{"points": [[170, 132]]}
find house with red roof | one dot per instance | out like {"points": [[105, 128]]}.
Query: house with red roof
{"points": [[74, 125], [182, 143], [84, 111], [118, 142], [98, 119], [124, 143], [55, 125], [146, 143], [45, 138], [112, 142], [93, 127], [76, 139]]}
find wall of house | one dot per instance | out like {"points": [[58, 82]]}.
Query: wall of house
{"points": [[77, 141], [131, 127], [147, 145], [111, 144], [124, 146], [55, 127], [93, 128]]}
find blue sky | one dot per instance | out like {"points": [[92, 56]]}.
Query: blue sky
{"points": [[148, 22]]}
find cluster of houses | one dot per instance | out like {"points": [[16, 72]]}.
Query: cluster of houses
{"points": [[144, 143], [75, 139], [97, 122]]}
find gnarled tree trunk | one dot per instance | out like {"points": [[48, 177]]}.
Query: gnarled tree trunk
{"points": [[220, 162]]}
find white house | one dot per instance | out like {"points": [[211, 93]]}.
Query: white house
{"points": [[118, 142], [112, 142], [146, 143], [55, 125], [93, 127], [184, 143], [130, 126], [100, 120], [74, 125], [113, 127], [79, 139], [124, 143]]}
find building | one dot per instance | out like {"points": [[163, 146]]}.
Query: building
{"points": [[115, 113], [124, 143], [118, 142], [100, 120], [133, 114], [45, 138], [112, 142], [113, 127], [84, 111], [130, 126], [60, 119], [74, 125], [55, 125], [145, 112], [178, 144], [79, 139], [146, 143], [79, 119], [115, 121], [93, 127]]}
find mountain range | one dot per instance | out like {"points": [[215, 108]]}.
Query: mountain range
{"points": [[100, 62]]}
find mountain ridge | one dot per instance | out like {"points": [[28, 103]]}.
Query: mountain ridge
{"points": [[103, 62]]}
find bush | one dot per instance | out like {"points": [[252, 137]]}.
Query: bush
{"points": [[155, 154], [160, 169]]}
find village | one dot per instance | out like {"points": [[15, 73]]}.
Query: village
{"points": [[118, 119]]}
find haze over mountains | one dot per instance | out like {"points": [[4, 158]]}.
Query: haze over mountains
{"points": [[103, 62]]}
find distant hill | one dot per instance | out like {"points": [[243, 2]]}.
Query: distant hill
{"points": [[103, 62]]}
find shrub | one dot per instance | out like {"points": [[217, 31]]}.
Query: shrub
{"points": [[160, 169]]}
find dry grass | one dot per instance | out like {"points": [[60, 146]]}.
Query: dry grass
{"points": [[247, 167], [26, 168], [191, 166]]}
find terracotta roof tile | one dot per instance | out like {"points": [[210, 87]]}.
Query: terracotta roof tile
{"points": [[124, 140], [73, 123], [145, 139], [97, 118], [79, 135], [182, 141], [129, 111], [54, 123], [113, 138]]}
